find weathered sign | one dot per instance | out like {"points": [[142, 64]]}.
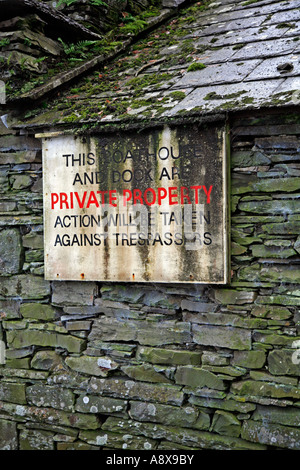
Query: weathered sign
{"points": [[148, 206]]}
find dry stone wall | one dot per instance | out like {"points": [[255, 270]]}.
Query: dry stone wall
{"points": [[88, 365]]}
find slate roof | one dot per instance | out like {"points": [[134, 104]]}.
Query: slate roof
{"points": [[55, 18], [225, 56]]}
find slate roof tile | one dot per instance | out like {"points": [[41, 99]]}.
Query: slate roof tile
{"points": [[250, 56]]}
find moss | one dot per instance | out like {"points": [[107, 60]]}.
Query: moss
{"points": [[133, 27], [249, 2], [247, 100], [228, 105], [238, 46], [212, 96], [285, 25], [177, 95], [187, 46], [278, 98], [196, 66], [71, 118], [234, 95], [139, 103], [139, 83]]}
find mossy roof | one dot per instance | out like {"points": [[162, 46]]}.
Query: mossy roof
{"points": [[208, 58]]}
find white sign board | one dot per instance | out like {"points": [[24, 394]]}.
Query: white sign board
{"points": [[140, 207]]}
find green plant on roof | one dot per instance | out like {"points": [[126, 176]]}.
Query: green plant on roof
{"points": [[196, 66], [132, 25], [4, 42], [249, 2], [177, 95]]}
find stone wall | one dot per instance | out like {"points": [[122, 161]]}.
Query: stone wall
{"points": [[113, 366]]}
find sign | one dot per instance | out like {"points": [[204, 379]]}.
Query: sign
{"points": [[2, 92], [139, 206]]}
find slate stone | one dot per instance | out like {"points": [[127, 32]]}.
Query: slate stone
{"points": [[18, 157], [289, 274], [289, 416], [297, 245], [12, 392], [289, 227], [97, 366], [198, 377], [122, 293], [168, 356], [10, 309], [225, 404], [244, 184], [129, 389], [226, 423], [33, 240], [101, 405], [182, 436], [38, 311], [145, 373], [78, 445], [10, 251], [267, 377], [271, 434], [198, 306], [50, 396], [45, 360], [268, 311], [212, 97], [187, 416], [36, 440], [169, 332], [248, 158], [284, 362], [21, 182], [111, 440], [230, 296], [8, 435], [249, 359], [237, 24], [264, 389], [224, 319], [288, 85], [284, 16], [224, 337], [243, 36], [267, 207], [24, 338], [262, 251], [26, 286], [215, 359], [171, 3], [72, 293], [52, 417], [159, 299], [12, 142], [264, 49], [217, 74]]}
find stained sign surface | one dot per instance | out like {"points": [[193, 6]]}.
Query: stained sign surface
{"points": [[139, 206]]}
